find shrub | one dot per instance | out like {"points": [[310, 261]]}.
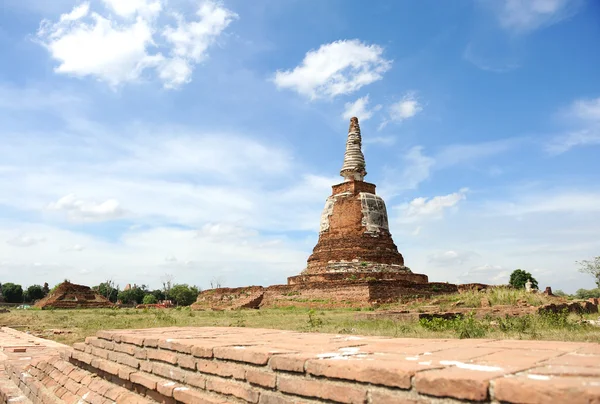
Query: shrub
{"points": [[519, 278], [150, 299]]}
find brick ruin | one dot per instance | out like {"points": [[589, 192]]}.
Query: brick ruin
{"points": [[190, 365], [355, 262], [71, 296]]}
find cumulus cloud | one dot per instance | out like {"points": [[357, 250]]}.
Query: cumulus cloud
{"points": [[340, 67], [25, 241], [78, 209], [126, 41], [432, 207], [74, 248], [406, 108], [360, 109], [528, 15]]}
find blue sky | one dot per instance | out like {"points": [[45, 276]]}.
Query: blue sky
{"points": [[200, 139]]}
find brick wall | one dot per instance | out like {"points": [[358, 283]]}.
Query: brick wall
{"points": [[265, 366]]}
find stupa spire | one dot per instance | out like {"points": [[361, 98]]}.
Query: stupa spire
{"points": [[353, 168]]}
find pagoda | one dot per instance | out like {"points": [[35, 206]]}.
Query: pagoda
{"points": [[354, 235]]}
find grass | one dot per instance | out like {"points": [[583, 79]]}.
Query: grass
{"points": [[78, 324]]}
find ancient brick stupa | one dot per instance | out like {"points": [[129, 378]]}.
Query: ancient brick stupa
{"points": [[355, 262], [71, 296], [354, 236]]}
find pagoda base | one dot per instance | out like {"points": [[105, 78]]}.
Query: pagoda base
{"points": [[358, 276]]}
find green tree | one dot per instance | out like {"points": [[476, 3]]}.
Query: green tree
{"points": [[33, 293], [108, 290], [158, 294], [12, 293], [46, 289], [519, 278], [183, 294], [591, 267], [134, 295], [150, 299], [587, 293]]}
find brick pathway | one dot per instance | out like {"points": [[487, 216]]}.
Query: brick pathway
{"points": [[273, 366]]}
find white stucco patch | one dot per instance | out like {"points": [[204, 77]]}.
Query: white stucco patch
{"points": [[374, 212], [327, 211], [471, 366]]}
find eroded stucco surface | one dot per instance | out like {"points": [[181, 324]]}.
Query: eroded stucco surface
{"points": [[374, 212]]}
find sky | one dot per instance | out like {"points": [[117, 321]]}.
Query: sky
{"points": [[199, 140]]}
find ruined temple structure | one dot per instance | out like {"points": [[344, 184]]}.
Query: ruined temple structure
{"points": [[354, 236], [355, 262], [71, 296]]}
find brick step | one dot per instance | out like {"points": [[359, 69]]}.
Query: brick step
{"points": [[56, 381], [9, 390], [148, 376]]}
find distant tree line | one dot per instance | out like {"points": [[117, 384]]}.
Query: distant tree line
{"points": [[180, 294], [14, 293]]}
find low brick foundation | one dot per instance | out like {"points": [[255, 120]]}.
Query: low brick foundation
{"points": [[240, 365], [344, 293]]}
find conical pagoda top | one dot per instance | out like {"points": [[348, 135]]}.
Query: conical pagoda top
{"points": [[353, 168]]}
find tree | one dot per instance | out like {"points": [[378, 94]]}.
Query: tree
{"points": [[46, 289], [167, 281], [519, 278], [587, 293], [12, 293], [591, 267], [108, 290], [150, 299], [33, 293], [158, 294], [183, 294], [134, 295]]}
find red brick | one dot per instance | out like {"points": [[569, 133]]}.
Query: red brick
{"points": [[195, 380], [325, 390], [166, 388], [455, 382], [232, 388], [162, 355], [132, 339], [182, 346], [131, 398], [125, 348], [190, 396], [289, 363], [219, 368], [564, 370], [575, 360], [168, 371], [258, 355], [186, 361], [522, 389], [387, 370], [275, 398], [261, 378], [396, 397], [144, 379]]}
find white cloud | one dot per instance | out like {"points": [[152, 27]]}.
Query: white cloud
{"points": [[584, 117], [191, 40], [359, 109], [340, 67], [432, 207], [78, 209], [451, 257], [587, 109], [25, 241], [406, 108], [119, 48], [129, 8], [527, 15], [74, 247]]}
